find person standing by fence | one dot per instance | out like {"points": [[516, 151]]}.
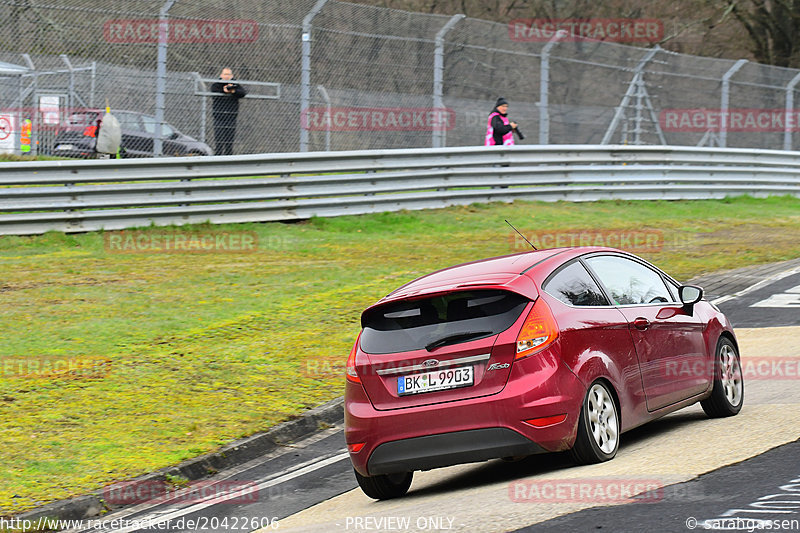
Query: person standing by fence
{"points": [[499, 129], [225, 109]]}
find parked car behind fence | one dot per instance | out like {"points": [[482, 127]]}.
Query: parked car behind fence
{"points": [[138, 135]]}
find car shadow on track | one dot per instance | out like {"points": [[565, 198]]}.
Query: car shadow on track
{"points": [[499, 471], [662, 425]]}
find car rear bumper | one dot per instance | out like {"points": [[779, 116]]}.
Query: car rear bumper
{"points": [[73, 153], [434, 451], [469, 430]]}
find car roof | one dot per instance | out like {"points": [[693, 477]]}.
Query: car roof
{"points": [[102, 110], [514, 272], [93, 111]]}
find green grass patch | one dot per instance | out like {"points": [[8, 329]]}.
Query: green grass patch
{"points": [[176, 354]]}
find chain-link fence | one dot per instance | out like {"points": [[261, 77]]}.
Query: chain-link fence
{"points": [[330, 75]]}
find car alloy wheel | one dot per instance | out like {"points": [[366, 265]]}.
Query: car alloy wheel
{"points": [[727, 394], [598, 427], [731, 375]]}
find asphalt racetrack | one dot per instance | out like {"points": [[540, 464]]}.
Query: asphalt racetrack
{"points": [[679, 473]]}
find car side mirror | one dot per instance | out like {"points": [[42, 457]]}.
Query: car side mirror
{"points": [[690, 295], [172, 136]]}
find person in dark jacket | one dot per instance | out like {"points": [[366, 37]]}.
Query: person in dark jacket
{"points": [[225, 109], [499, 129]]}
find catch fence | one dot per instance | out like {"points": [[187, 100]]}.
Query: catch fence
{"points": [[331, 75]]}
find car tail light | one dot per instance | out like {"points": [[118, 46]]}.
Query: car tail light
{"points": [[350, 369], [538, 331]]}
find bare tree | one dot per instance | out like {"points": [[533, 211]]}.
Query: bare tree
{"points": [[772, 28]]}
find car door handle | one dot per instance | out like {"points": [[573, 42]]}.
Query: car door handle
{"points": [[641, 323]]}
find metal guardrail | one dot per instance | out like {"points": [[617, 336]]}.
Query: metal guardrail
{"points": [[75, 196]]}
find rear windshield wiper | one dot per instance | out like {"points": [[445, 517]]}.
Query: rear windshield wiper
{"points": [[457, 337]]}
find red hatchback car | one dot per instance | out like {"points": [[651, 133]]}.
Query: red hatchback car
{"points": [[544, 351]]}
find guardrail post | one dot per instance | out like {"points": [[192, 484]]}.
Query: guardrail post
{"points": [[438, 76], [724, 101], [305, 70], [787, 128]]}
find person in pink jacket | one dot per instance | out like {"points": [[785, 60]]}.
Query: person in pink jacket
{"points": [[499, 129]]}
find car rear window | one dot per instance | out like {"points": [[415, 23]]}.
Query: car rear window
{"points": [[439, 320], [78, 121]]}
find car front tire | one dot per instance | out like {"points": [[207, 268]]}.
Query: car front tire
{"points": [[385, 486], [727, 395], [598, 427]]}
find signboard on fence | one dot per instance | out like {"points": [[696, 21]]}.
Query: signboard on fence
{"points": [[50, 107], [7, 136]]}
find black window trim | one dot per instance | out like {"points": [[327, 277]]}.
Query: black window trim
{"points": [[676, 293]]}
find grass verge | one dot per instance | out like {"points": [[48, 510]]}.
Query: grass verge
{"points": [[175, 354]]}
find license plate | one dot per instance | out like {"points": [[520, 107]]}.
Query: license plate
{"points": [[65, 147], [444, 379]]}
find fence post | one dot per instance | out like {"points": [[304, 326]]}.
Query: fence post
{"points": [[327, 99], [438, 76], [724, 101], [544, 87], [161, 74], [71, 88], [633, 89], [92, 84], [32, 112], [200, 86], [787, 131], [305, 70]]}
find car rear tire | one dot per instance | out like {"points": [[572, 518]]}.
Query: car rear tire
{"points": [[598, 427], [385, 486], [727, 396]]}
